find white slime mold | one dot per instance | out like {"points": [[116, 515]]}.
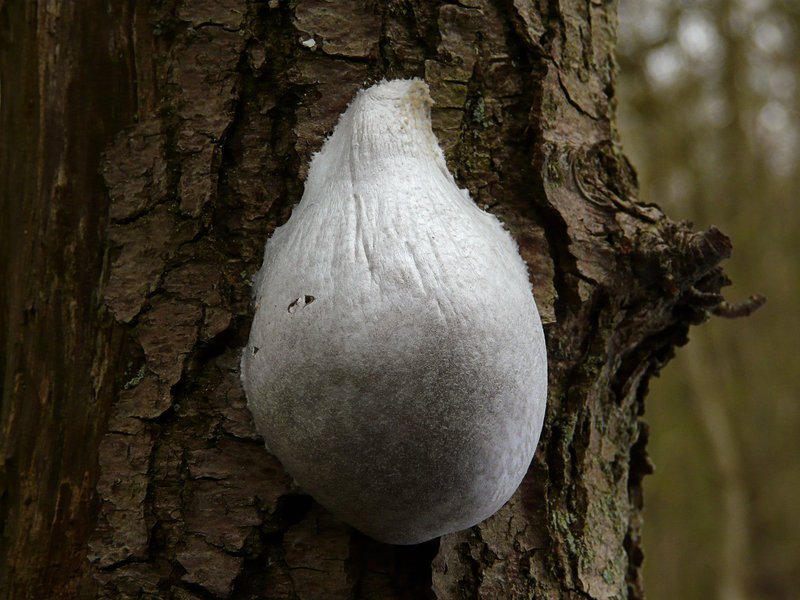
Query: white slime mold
{"points": [[396, 364]]}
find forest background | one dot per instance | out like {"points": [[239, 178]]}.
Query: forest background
{"points": [[710, 117]]}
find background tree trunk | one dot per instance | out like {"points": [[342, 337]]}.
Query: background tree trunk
{"points": [[148, 152]]}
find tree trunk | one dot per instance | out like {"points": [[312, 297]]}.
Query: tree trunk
{"points": [[149, 150]]}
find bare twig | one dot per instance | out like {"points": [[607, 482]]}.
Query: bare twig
{"points": [[745, 308]]}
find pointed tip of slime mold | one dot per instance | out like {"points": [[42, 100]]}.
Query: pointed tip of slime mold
{"points": [[414, 90]]}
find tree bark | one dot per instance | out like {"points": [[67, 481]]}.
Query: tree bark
{"points": [[148, 152]]}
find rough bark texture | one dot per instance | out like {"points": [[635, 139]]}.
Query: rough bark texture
{"points": [[126, 307]]}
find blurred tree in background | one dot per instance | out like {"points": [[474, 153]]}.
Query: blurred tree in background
{"points": [[710, 116]]}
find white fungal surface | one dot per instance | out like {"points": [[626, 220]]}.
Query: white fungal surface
{"points": [[396, 364]]}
